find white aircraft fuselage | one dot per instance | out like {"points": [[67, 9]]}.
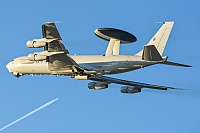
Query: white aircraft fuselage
{"points": [[104, 64]]}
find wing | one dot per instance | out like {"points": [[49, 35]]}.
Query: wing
{"points": [[109, 80], [58, 56], [52, 37], [50, 31], [63, 61]]}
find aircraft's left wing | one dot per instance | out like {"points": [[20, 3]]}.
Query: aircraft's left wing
{"points": [[109, 80]]}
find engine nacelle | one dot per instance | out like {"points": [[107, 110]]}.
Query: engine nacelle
{"points": [[35, 57], [97, 85], [35, 44], [83, 77], [130, 89]]}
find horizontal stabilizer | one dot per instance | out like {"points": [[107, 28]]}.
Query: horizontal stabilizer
{"points": [[150, 53], [174, 64]]}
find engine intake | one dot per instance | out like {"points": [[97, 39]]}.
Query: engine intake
{"points": [[130, 89], [35, 44], [35, 57], [97, 85]]}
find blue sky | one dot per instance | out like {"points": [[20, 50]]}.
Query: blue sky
{"points": [[80, 109]]}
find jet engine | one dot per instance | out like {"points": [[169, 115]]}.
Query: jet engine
{"points": [[130, 89], [36, 57], [35, 44], [97, 85]]}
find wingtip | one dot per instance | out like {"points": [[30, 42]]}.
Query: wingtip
{"points": [[177, 88], [174, 64], [189, 66]]}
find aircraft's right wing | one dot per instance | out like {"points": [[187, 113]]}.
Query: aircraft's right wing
{"points": [[51, 35], [109, 80], [49, 31], [59, 58], [60, 62], [56, 53]]}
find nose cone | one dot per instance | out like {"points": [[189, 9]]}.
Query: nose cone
{"points": [[9, 66]]}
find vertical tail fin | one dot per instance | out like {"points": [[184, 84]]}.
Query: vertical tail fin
{"points": [[159, 40]]}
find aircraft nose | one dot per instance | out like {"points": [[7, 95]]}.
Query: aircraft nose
{"points": [[9, 66]]}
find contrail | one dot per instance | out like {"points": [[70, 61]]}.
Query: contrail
{"points": [[32, 112]]}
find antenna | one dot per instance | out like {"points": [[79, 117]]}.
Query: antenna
{"points": [[160, 22], [54, 22]]}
